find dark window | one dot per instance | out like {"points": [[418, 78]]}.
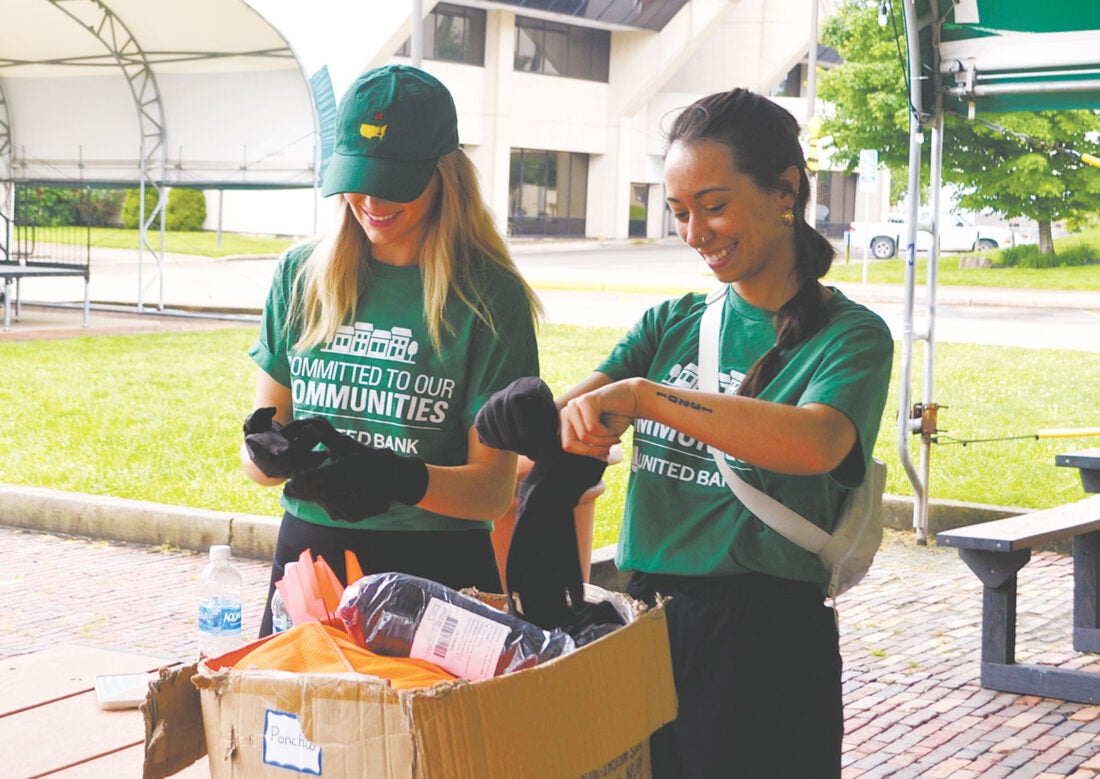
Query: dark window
{"points": [[547, 192], [793, 84], [562, 50], [641, 14], [452, 33]]}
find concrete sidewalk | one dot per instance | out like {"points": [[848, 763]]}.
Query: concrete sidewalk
{"points": [[238, 285]]}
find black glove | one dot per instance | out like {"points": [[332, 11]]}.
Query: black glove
{"points": [[359, 481], [280, 451], [543, 569], [520, 418]]}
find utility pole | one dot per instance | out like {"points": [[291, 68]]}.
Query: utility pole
{"points": [[416, 36]]}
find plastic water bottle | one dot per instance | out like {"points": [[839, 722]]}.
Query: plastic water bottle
{"points": [[280, 617], [219, 604]]}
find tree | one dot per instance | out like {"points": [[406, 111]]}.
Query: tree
{"points": [[1014, 164], [1021, 170], [52, 206], [184, 211], [131, 211]]}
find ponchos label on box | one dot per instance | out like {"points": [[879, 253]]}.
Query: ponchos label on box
{"points": [[287, 747]]}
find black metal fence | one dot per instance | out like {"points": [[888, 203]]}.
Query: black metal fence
{"points": [[26, 242]]}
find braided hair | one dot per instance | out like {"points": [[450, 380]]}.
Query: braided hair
{"points": [[762, 138]]}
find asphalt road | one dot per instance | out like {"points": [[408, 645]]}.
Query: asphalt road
{"points": [[613, 284], [597, 283]]}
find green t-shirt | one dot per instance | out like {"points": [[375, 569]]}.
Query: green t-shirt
{"points": [[680, 516], [381, 381]]}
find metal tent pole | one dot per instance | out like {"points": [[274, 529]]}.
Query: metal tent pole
{"points": [[916, 140], [925, 421]]}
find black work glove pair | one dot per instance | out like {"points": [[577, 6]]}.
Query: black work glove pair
{"points": [[349, 480], [543, 569]]}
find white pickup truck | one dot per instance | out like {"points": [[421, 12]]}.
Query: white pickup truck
{"points": [[957, 234]]}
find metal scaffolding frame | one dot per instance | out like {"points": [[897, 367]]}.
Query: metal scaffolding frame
{"points": [[960, 59], [185, 69], [120, 44]]}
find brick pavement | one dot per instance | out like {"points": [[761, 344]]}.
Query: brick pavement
{"points": [[910, 637]]}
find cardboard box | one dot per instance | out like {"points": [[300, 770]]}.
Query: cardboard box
{"points": [[586, 714]]}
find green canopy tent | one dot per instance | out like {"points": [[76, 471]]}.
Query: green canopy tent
{"points": [[974, 57]]}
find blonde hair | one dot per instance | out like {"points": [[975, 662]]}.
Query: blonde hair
{"points": [[460, 241]]}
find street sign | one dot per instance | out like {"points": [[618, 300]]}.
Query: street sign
{"points": [[868, 170]]}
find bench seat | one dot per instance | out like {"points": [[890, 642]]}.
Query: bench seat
{"points": [[1027, 530], [12, 272], [1087, 461]]}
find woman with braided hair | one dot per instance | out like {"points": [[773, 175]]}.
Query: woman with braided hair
{"points": [[803, 374]]}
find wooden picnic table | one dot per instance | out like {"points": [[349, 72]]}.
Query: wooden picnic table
{"points": [[1087, 462], [995, 551], [53, 725]]}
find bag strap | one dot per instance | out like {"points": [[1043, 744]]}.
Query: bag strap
{"points": [[789, 524]]}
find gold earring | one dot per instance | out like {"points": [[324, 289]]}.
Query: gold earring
{"points": [[787, 217]]}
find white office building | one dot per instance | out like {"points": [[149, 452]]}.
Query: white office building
{"points": [[562, 104]]}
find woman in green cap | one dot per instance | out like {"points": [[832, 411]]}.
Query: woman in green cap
{"points": [[380, 343]]}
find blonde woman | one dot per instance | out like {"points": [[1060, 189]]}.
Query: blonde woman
{"points": [[382, 341]]}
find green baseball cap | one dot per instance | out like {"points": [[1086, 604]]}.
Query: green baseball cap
{"points": [[392, 126]]}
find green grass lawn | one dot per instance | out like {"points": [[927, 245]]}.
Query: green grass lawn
{"points": [[158, 417], [849, 267], [203, 243]]}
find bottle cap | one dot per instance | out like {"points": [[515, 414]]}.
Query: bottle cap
{"points": [[219, 552]]}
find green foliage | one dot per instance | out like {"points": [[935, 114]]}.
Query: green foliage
{"points": [[48, 206], [1025, 176], [65, 206], [186, 210], [1028, 256], [131, 207], [1018, 172], [1083, 222], [105, 208]]}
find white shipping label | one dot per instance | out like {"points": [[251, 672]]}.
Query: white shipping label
{"points": [[466, 644], [287, 747]]}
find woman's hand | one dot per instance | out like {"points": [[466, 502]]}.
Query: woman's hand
{"points": [[594, 422]]}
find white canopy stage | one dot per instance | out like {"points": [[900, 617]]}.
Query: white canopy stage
{"points": [[149, 93], [973, 57]]}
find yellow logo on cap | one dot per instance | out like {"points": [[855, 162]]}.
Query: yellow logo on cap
{"points": [[373, 130]]}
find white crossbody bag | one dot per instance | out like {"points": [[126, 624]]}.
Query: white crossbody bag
{"points": [[848, 552]]}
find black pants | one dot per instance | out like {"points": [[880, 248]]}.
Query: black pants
{"points": [[756, 662], [458, 559]]}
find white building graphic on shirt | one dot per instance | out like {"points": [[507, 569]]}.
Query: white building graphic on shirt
{"points": [[687, 376], [363, 340]]}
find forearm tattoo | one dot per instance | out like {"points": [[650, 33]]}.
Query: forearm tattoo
{"points": [[684, 402]]}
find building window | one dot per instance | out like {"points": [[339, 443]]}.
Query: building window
{"points": [[562, 50], [547, 192], [452, 33], [793, 84]]}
